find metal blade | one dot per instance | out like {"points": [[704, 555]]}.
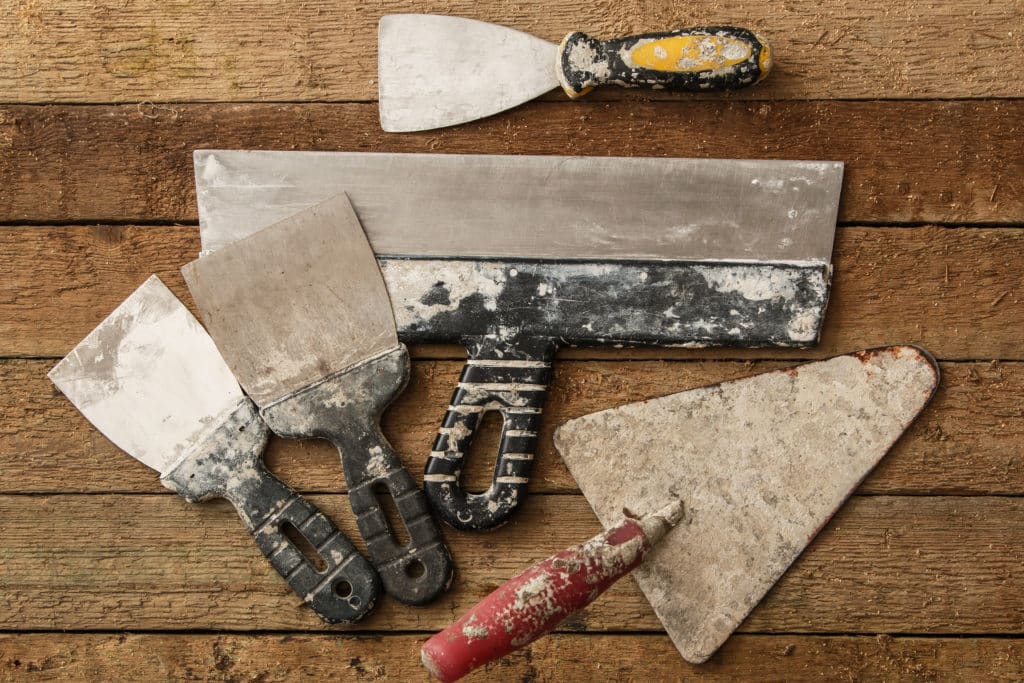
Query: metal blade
{"points": [[761, 464], [555, 207], [437, 71], [149, 377], [296, 302]]}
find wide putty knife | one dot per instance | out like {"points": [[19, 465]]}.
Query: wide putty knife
{"points": [[437, 71], [301, 314], [511, 255], [760, 465], [151, 379]]}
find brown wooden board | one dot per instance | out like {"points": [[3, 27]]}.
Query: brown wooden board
{"points": [[561, 656], [966, 442], [951, 290], [917, 564], [101, 105], [933, 161], [236, 51]]}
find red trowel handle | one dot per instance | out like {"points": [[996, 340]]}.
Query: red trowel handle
{"points": [[531, 604]]}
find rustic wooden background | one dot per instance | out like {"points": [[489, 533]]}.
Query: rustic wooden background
{"points": [[104, 575]]}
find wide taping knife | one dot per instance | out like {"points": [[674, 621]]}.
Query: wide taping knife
{"points": [[436, 71], [300, 312], [514, 255], [151, 379]]}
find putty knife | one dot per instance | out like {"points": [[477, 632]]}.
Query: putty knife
{"points": [[301, 314], [511, 255], [437, 71], [151, 379], [760, 465]]}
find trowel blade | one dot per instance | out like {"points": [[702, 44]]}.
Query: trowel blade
{"points": [[761, 464]]}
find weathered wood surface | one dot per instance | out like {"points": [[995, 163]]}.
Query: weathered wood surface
{"points": [[954, 291], [935, 162], [101, 104], [913, 565], [245, 50], [558, 657], [966, 442]]}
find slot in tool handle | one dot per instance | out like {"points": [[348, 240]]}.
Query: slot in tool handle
{"points": [[227, 464], [686, 60], [512, 378]]}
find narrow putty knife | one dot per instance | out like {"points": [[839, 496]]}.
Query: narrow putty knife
{"points": [[151, 379], [301, 314], [760, 464], [437, 71], [511, 255]]}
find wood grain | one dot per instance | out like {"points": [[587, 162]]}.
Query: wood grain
{"points": [[950, 290], [934, 161], [250, 50], [966, 442], [149, 562], [557, 657]]}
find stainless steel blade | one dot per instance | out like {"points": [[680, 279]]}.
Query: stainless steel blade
{"points": [[436, 71], [761, 464], [150, 378], [557, 207], [296, 302]]}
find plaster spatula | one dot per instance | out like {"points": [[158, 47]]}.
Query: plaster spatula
{"points": [[437, 71], [301, 314], [151, 379], [760, 464]]}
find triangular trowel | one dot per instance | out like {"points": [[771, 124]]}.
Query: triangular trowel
{"points": [[760, 465]]}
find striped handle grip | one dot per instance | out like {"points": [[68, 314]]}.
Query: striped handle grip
{"points": [[517, 389]]}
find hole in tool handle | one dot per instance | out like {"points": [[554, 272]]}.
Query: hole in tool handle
{"points": [[515, 384], [302, 544]]}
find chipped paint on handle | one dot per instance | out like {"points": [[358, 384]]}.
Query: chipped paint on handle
{"points": [[687, 60], [529, 605]]}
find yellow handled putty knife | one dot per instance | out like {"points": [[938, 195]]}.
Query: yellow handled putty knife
{"points": [[437, 71]]}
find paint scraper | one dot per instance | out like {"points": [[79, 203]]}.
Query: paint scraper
{"points": [[301, 314], [150, 378], [437, 71]]}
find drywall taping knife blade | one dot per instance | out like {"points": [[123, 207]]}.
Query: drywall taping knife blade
{"points": [[439, 71], [300, 312], [151, 379], [510, 254]]}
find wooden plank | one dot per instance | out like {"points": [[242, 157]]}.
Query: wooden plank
{"points": [[85, 51], [914, 565], [559, 656], [966, 442], [950, 290], [133, 163]]}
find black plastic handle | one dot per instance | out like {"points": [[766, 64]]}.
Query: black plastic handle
{"points": [[345, 409], [513, 380], [687, 60], [342, 586]]}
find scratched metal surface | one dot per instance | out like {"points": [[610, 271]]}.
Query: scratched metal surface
{"points": [[555, 207]]}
